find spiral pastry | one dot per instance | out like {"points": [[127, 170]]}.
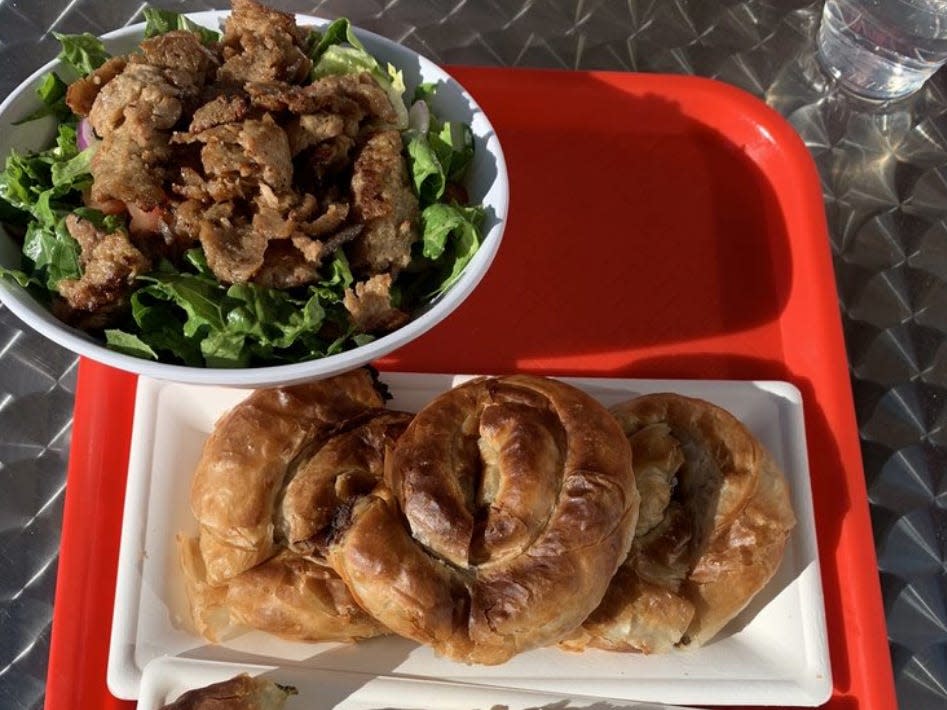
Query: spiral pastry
{"points": [[246, 460], [307, 452], [507, 506], [287, 595], [714, 520]]}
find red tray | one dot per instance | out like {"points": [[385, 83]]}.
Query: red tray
{"points": [[661, 226]]}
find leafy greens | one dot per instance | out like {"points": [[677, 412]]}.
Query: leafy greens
{"points": [[181, 312], [158, 22], [339, 51]]}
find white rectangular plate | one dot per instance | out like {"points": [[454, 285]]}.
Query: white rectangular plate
{"points": [[775, 652]]}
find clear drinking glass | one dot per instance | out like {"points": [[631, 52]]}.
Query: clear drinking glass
{"points": [[883, 49]]}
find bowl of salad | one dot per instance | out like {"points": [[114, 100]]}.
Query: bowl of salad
{"points": [[243, 197]]}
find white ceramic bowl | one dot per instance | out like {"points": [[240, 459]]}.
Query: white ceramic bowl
{"points": [[487, 184]]}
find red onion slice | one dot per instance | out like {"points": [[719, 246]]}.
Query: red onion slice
{"points": [[85, 136]]}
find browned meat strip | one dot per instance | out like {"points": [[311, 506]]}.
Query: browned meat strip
{"points": [[186, 63], [260, 44], [267, 145], [312, 249], [222, 133], [218, 111], [313, 129], [133, 113], [186, 218], [191, 186], [81, 93], [140, 90], [222, 154], [366, 92], [233, 248], [254, 148], [352, 95], [329, 221], [343, 237], [129, 166], [298, 207], [284, 266], [273, 224], [385, 202], [227, 188], [110, 264], [370, 305], [279, 96]]}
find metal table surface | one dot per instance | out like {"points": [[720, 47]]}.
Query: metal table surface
{"points": [[884, 177]]}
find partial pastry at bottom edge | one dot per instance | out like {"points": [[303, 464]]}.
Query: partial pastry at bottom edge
{"points": [[242, 692]]}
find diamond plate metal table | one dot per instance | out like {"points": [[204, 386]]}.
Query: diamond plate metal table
{"points": [[884, 177]]}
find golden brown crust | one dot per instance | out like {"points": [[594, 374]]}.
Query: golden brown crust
{"points": [[508, 505], [737, 565], [248, 455], [287, 595], [294, 594], [241, 692], [344, 468], [714, 527], [645, 617]]}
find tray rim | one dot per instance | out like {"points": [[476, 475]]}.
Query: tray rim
{"points": [[866, 672]]}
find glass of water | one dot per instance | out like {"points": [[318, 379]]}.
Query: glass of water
{"points": [[883, 49]]}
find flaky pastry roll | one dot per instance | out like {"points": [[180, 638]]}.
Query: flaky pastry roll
{"points": [[297, 495], [241, 692], [715, 518], [248, 456], [507, 506], [287, 595]]}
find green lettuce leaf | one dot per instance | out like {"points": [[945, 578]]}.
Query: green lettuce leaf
{"points": [[84, 53], [225, 349], [22, 278], [54, 173], [424, 92], [439, 155], [160, 324], [75, 172], [198, 261], [189, 316], [331, 288], [200, 298], [52, 94], [452, 143], [129, 343], [450, 239], [107, 223], [338, 32], [22, 179], [53, 253], [273, 318], [339, 51], [158, 22], [427, 173]]}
